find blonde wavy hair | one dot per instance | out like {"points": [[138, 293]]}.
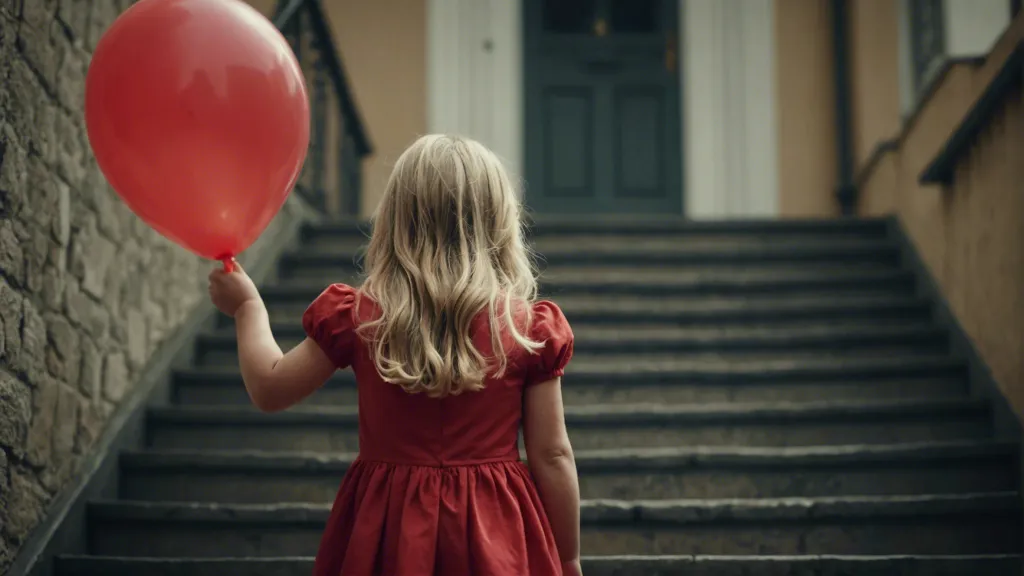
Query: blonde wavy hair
{"points": [[447, 243]]}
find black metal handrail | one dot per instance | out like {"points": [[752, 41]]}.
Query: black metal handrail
{"points": [[332, 175]]}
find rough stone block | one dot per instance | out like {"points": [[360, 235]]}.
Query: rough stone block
{"points": [[24, 94], [117, 275], [16, 408], [93, 418], [62, 219], [40, 434], [64, 355], [5, 464], [44, 198], [37, 244], [91, 258], [9, 25], [11, 8], [157, 323], [91, 373], [86, 312], [37, 44], [33, 342], [69, 155], [111, 213], [138, 336], [71, 77], [104, 12], [10, 317], [13, 170], [116, 378], [62, 462], [12, 257], [75, 16], [39, 14], [53, 286], [24, 512], [101, 254]]}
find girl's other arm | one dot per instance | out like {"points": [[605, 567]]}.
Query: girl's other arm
{"points": [[274, 380], [553, 465]]}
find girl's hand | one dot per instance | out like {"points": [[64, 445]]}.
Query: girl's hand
{"points": [[230, 290]]}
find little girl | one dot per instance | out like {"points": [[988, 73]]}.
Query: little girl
{"points": [[451, 351]]}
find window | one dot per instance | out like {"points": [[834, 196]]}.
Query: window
{"points": [[635, 16], [927, 40], [569, 16], [933, 32]]}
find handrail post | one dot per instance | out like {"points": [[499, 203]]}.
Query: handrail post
{"points": [[304, 24]]}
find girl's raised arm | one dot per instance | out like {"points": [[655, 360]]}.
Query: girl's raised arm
{"points": [[274, 380]]}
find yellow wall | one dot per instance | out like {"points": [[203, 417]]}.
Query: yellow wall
{"points": [[383, 45], [970, 234], [806, 108], [874, 74], [383, 48]]}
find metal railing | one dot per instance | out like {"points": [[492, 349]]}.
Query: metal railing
{"points": [[331, 178]]}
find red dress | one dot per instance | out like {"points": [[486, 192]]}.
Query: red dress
{"points": [[438, 487]]}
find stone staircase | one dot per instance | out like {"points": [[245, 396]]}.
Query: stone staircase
{"points": [[746, 398]]}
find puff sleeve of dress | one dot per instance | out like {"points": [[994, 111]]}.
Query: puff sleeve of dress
{"points": [[550, 328], [329, 321]]}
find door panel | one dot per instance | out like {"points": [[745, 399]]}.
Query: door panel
{"points": [[640, 138], [602, 106], [569, 155]]}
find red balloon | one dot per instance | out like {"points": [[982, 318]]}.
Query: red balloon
{"points": [[198, 116]]}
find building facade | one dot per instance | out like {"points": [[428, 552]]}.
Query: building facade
{"points": [[704, 108], [728, 109]]}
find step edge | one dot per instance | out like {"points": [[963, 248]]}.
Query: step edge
{"points": [[604, 511], [637, 459], [628, 412]]}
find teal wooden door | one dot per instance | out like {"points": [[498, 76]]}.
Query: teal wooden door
{"points": [[602, 106]]}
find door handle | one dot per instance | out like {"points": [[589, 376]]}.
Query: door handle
{"points": [[671, 48]]}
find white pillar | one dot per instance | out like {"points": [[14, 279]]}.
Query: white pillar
{"points": [[729, 116], [973, 26], [730, 161], [474, 73]]}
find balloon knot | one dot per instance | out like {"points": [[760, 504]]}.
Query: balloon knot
{"points": [[229, 263]]}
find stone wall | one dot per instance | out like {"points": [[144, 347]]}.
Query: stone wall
{"points": [[87, 292]]}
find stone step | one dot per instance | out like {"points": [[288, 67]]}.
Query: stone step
{"points": [[706, 366], [882, 380], [943, 524], [286, 303], [710, 367], [768, 364], [568, 254], [221, 346], [665, 282], [256, 477], [617, 243], [633, 227], [335, 429], [634, 565], [219, 387], [651, 240]]}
